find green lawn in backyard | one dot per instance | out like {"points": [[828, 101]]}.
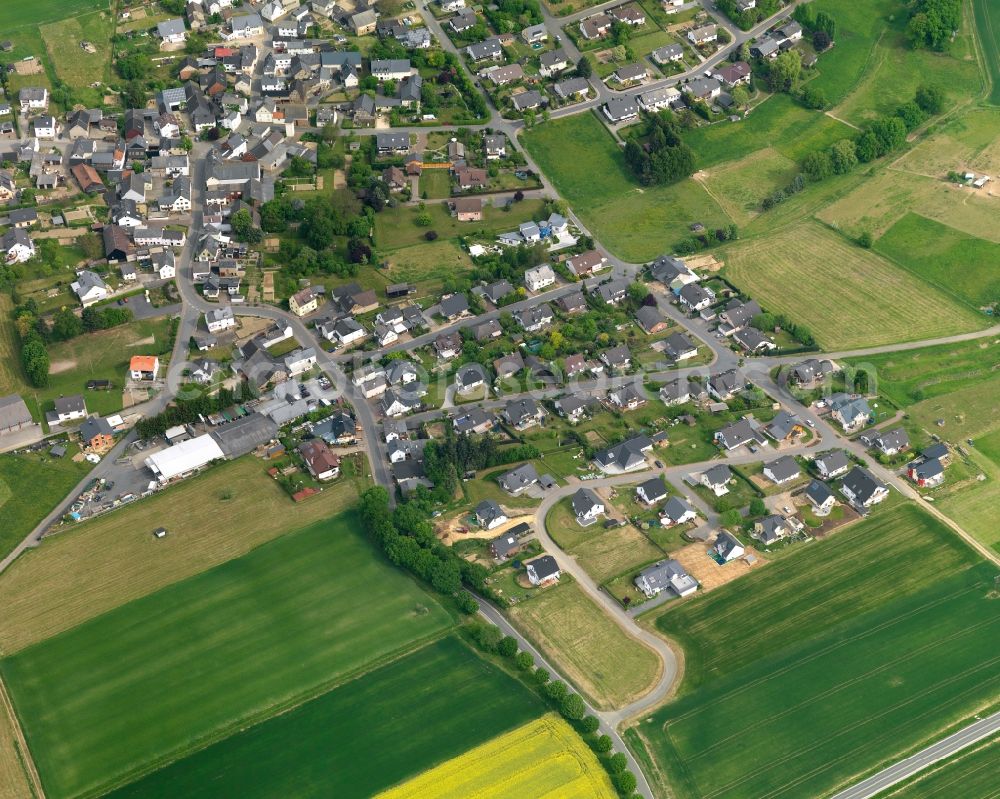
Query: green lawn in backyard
{"points": [[435, 183], [397, 227], [872, 69], [874, 640], [588, 169], [987, 21], [363, 737], [787, 271], [964, 266], [103, 355], [151, 680], [971, 774], [778, 122], [427, 265], [30, 486], [586, 645]]}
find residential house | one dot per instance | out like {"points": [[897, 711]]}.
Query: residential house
{"points": [[573, 302], [587, 506], [575, 406], [694, 297], [586, 263], [508, 365], [322, 463], [523, 413], [626, 398], [652, 491], [619, 109], [89, 287], [771, 529], [703, 35], [552, 63], [96, 434], [667, 54], [630, 73], [396, 404], [752, 341], [726, 384], [658, 99], [862, 488], [850, 412], [736, 74], [475, 421], [810, 371], [676, 511], [542, 571], [489, 515], [489, 50], [679, 347], [519, 479], [628, 456], [783, 470], [832, 463], [527, 101], [469, 378], [533, 34], [454, 306], [680, 391], [534, 318], [926, 472], [67, 409], [596, 27], [888, 443], [820, 497], [539, 278], [617, 358], [496, 291], [783, 426], [703, 88], [144, 367], [727, 547], [737, 315], [738, 434], [171, 31], [572, 89], [717, 478], [506, 545], [667, 574], [611, 292], [14, 414], [16, 246], [391, 68], [501, 76], [364, 22]]}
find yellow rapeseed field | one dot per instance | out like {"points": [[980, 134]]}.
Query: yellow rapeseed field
{"points": [[544, 759]]}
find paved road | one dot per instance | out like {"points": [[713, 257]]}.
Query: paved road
{"points": [[904, 769]]}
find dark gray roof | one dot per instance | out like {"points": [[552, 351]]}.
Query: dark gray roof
{"points": [[862, 483], [626, 455], [244, 435], [818, 491], [784, 468], [454, 305], [833, 460], [544, 567], [725, 543], [653, 488], [675, 508], [718, 475], [583, 500], [13, 412], [71, 404]]}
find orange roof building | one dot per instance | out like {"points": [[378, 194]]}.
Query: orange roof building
{"points": [[144, 367]]}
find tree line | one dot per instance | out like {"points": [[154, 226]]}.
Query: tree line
{"points": [[189, 411], [446, 460]]}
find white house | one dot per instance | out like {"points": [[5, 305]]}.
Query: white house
{"points": [[489, 515], [219, 319], [539, 278], [543, 570], [17, 246], [89, 287], [728, 547], [299, 361], [587, 506], [171, 31]]}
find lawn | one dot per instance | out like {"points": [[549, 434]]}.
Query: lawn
{"points": [[962, 265], [740, 186], [152, 680], [30, 487], [872, 69], [390, 725], [397, 227], [20, 15], [427, 265], [866, 299], [103, 355], [965, 413], [971, 775], [435, 183], [542, 758], [962, 141], [867, 649], [95, 567], [604, 663], [778, 122], [636, 223], [975, 504], [987, 20]]}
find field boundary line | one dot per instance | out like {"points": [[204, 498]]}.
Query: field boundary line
{"points": [[27, 761]]}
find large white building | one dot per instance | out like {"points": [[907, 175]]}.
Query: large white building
{"points": [[184, 458]]}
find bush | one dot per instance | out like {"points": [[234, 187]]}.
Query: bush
{"points": [[556, 690], [541, 676], [625, 782], [431, 235], [524, 660], [865, 240], [603, 744], [590, 725], [467, 603]]}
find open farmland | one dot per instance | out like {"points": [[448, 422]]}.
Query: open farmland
{"points": [[588, 169], [14, 782], [20, 15], [969, 775], [542, 758], [607, 665], [385, 727], [964, 140], [962, 265], [30, 486], [987, 20], [740, 186], [873, 642], [847, 296], [976, 505], [101, 564], [117, 696]]}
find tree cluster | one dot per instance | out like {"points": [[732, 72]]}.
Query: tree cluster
{"points": [[770, 321], [932, 23], [446, 460], [188, 411], [703, 241], [664, 157], [745, 20], [508, 16]]}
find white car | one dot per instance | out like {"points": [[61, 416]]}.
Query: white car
{"points": [[810, 422]]}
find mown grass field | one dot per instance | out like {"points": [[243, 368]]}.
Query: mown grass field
{"points": [[587, 645], [19, 15], [74, 65], [964, 266], [30, 486], [959, 142], [976, 505], [435, 183], [149, 681], [872, 69], [588, 169], [847, 296], [542, 758], [110, 561], [388, 726], [427, 263], [872, 642], [778, 122], [969, 775], [11, 378]]}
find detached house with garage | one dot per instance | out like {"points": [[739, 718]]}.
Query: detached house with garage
{"points": [[850, 412], [489, 515], [727, 547], [587, 506], [667, 574], [651, 491], [863, 489], [832, 463], [542, 571], [676, 511]]}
